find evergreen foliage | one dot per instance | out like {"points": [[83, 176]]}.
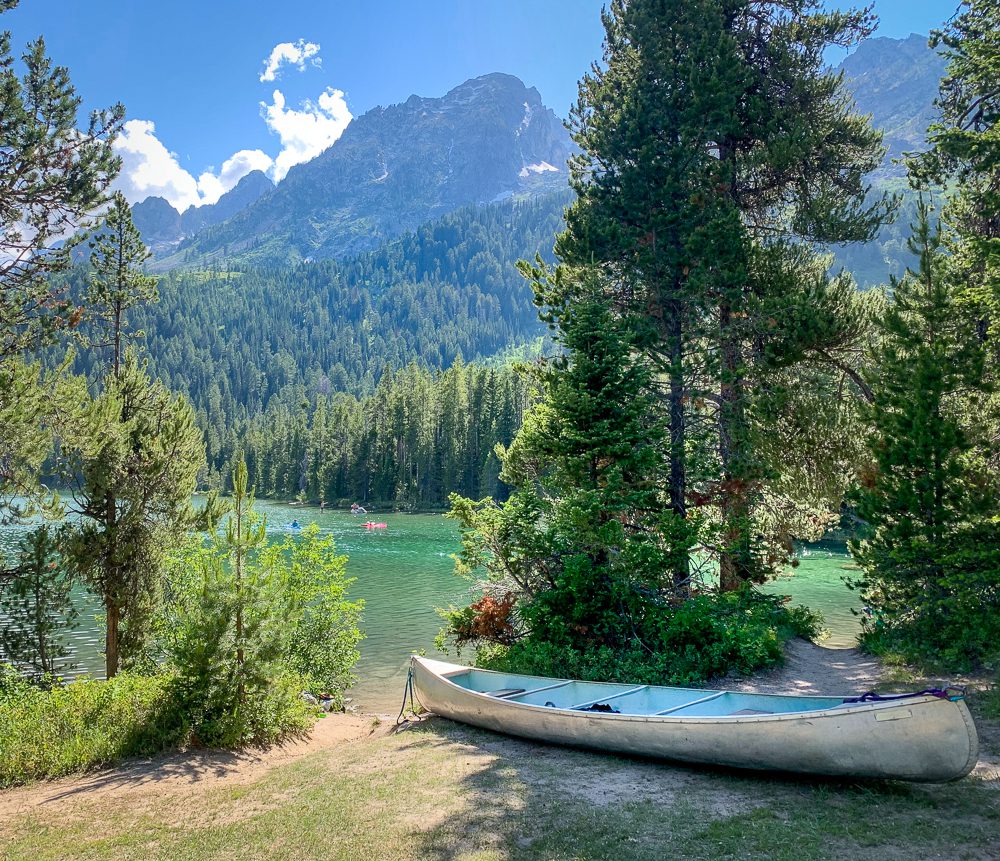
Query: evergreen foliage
{"points": [[965, 154], [248, 626], [258, 351], [418, 437], [117, 282], [38, 407], [579, 560], [793, 157], [932, 550], [53, 176], [648, 208], [38, 609], [133, 500], [717, 149], [582, 542], [965, 146]]}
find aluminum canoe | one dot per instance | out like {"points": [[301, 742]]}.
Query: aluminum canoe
{"points": [[921, 738]]}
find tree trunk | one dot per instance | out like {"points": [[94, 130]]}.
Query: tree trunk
{"points": [[118, 339], [734, 504], [111, 640], [678, 454], [112, 574]]}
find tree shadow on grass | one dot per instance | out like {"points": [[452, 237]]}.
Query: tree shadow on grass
{"points": [[186, 766], [519, 799]]}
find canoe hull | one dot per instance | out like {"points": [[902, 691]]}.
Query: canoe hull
{"points": [[919, 739]]}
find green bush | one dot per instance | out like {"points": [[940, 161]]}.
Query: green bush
{"points": [[248, 626], [46, 733], [709, 635], [948, 621]]}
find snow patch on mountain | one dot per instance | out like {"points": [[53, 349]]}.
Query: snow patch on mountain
{"points": [[541, 167]]}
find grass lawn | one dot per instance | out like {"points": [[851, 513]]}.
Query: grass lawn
{"points": [[443, 791]]}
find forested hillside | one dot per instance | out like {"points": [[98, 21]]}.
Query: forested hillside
{"points": [[258, 346], [420, 436], [241, 342]]}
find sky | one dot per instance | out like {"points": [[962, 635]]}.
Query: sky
{"points": [[216, 88]]}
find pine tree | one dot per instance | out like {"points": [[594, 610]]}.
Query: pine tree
{"points": [[54, 176], [648, 209], [53, 179], [252, 624], [965, 153], [793, 161], [135, 482], [582, 547], [930, 554], [245, 535], [117, 282], [716, 144]]}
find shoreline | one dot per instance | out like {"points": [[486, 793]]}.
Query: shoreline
{"points": [[357, 786]]}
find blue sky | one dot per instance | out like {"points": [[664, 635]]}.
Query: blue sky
{"points": [[189, 73]]}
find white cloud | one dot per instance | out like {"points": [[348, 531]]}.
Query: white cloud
{"points": [[212, 186], [291, 54], [306, 132], [150, 169]]}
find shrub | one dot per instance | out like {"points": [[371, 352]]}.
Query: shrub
{"points": [[47, 733], [709, 635], [950, 622], [249, 626]]}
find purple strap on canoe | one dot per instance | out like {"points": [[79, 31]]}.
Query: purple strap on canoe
{"points": [[952, 693]]}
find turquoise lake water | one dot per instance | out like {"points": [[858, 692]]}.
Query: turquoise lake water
{"points": [[405, 571]]}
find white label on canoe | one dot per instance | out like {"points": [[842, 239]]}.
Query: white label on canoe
{"points": [[893, 714]]}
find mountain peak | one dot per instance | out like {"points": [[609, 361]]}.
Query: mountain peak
{"points": [[896, 80], [397, 167], [162, 226]]}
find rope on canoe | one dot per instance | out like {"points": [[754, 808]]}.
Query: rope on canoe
{"points": [[954, 693], [407, 691]]}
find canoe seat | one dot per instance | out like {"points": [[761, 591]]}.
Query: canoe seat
{"points": [[750, 712], [504, 692]]}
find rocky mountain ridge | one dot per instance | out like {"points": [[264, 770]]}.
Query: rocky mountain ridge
{"points": [[490, 138], [396, 168], [163, 227]]}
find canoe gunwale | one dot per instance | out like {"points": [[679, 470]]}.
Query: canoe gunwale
{"points": [[918, 738], [833, 711]]}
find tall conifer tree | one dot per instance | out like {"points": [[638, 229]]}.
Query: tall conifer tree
{"points": [[137, 476], [965, 152], [930, 555], [583, 549], [133, 501], [648, 210], [714, 142], [117, 282]]}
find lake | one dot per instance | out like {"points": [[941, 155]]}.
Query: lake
{"points": [[404, 571]]}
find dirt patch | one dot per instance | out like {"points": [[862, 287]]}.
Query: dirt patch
{"points": [[185, 773], [600, 782], [813, 670]]}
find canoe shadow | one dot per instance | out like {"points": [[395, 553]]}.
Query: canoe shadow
{"points": [[523, 798], [532, 749]]}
